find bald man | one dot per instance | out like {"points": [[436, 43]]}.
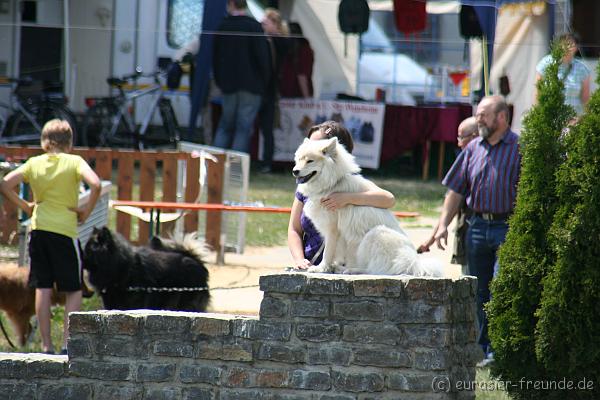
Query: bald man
{"points": [[485, 175], [467, 131]]}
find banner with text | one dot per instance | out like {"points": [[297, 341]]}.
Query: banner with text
{"points": [[363, 120]]}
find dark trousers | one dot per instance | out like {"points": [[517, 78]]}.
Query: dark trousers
{"points": [[266, 117], [483, 239]]}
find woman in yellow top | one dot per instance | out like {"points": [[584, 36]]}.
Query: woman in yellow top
{"points": [[54, 178]]}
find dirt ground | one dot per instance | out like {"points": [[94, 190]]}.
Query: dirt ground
{"points": [[243, 270]]}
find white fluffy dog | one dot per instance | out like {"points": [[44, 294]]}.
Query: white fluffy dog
{"points": [[365, 240]]}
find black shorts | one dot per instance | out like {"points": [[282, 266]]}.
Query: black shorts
{"points": [[54, 258]]}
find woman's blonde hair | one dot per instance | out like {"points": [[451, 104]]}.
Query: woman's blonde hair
{"points": [[274, 15], [57, 135]]}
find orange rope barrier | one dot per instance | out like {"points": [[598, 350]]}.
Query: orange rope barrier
{"points": [[160, 205]]}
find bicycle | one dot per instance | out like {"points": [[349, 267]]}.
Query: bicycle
{"points": [[31, 105], [110, 120]]}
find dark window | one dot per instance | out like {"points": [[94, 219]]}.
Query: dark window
{"points": [[29, 11], [588, 30]]}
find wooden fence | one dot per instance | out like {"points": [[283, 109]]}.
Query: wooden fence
{"points": [[128, 168]]}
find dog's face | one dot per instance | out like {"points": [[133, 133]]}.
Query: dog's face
{"points": [[99, 255], [312, 157]]}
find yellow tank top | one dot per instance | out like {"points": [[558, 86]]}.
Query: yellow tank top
{"points": [[54, 180]]}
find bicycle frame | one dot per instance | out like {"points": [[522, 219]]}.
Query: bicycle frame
{"points": [[14, 107]]}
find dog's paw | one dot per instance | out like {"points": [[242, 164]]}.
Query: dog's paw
{"points": [[321, 268]]}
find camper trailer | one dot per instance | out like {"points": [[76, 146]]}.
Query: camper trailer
{"points": [[79, 43]]}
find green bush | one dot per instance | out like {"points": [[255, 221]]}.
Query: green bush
{"points": [[527, 255], [568, 342]]}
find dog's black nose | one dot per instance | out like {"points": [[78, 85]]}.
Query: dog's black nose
{"points": [[295, 172]]}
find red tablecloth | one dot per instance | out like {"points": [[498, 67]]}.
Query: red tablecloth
{"points": [[406, 127]]}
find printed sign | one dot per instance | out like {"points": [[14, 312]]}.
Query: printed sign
{"points": [[363, 120]]}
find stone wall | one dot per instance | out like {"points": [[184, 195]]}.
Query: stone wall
{"points": [[318, 337]]}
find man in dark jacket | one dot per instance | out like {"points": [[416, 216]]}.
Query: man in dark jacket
{"points": [[241, 69]]}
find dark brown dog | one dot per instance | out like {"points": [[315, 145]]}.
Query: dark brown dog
{"points": [[17, 300]]}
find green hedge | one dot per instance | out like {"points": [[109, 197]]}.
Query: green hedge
{"points": [[568, 342], [527, 254]]}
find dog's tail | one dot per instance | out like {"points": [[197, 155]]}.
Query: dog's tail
{"points": [[408, 262], [430, 266], [189, 245]]}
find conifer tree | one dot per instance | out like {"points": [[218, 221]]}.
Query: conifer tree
{"points": [[568, 341], [526, 256]]}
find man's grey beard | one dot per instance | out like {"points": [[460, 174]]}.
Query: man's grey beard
{"points": [[484, 132]]}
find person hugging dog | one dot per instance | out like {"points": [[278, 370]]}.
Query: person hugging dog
{"points": [[304, 241], [54, 178]]}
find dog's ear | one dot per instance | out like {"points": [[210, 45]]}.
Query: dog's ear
{"points": [[330, 148], [105, 235]]}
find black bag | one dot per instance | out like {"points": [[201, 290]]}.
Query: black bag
{"points": [[469, 23], [353, 17], [174, 73]]}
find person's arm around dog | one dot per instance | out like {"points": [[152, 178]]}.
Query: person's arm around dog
{"points": [[374, 197]]}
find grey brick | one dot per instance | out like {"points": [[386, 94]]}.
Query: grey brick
{"points": [[281, 353], [464, 311], [230, 348], [200, 374], [433, 290], [161, 324], [162, 393], [100, 370], [318, 332], [104, 392], [213, 325], [241, 394], [238, 377], [155, 372], [329, 355], [11, 368], [46, 368], [359, 311], [357, 382], [283, 283], [336, 397], [432, 360], [382, 287], [64, 392], [254, 329], [411, 382], [433, 336], [173, 349], [198, 394], [271, 307], [372, 333], [310, 380], [18, 391], [307, 308], [79, 347], [123, 324], [382, 357], [268, 378], [121, 347], [412, 312], [329, 285], [84, 322]]}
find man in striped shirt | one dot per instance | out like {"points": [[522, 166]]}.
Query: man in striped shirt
{"points": [[485, 174]]}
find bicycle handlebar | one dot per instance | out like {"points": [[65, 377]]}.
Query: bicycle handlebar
{"points": [[118, 82]]}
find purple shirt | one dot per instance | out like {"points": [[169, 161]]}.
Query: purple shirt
{"points": [[311, 239], [487, 175]]}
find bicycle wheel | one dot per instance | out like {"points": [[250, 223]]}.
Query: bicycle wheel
{"points": [[26, 128], [98, 127]]}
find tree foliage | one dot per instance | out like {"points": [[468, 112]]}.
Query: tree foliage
{"points": [[568, 342], [527, 255]]}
